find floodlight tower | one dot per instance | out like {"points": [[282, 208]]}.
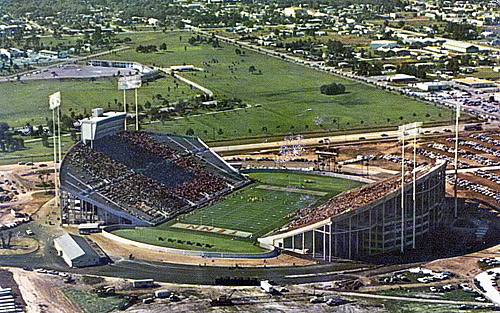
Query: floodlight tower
{"points": [[54, 104]]}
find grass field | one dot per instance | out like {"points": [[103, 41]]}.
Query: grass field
{"points": [[91, 303], [34, 151], [289, 93], [22, 102], [250, 209], [332, 186], [220, 243]]}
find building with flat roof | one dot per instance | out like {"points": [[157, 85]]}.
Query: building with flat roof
{"points": [[476, 82], [432, 86], [76, 251], [401, 78]]}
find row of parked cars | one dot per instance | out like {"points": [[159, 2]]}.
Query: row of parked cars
{"points": [[9, 225], [476, 187]]}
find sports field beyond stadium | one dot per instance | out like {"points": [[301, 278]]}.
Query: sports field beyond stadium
{"points": [[249, 210]]}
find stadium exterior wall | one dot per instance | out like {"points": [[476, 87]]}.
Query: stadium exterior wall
{"points": [[107, 232], [373, 228]]}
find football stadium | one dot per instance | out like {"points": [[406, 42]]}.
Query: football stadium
{"points": [[173, 192]]}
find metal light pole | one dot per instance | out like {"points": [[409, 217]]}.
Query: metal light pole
{"points": [[136, 112], [402, 190], [125, 107], [414, 186], [55, 103], [455, 191]]}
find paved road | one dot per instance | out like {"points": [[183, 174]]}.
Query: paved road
{"points": [[47, 257], [390, 134]]}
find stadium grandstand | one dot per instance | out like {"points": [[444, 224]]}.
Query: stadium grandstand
{"points": [[368, 220], [141, 178]]}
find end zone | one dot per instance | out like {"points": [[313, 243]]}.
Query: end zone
{"points": [[211, 229]]}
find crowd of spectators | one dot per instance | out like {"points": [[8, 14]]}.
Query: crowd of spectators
{"points": [[97, 164], [135, 189], [348, 201], [144, 141]]}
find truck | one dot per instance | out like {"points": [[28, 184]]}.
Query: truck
{"points": [[473, 127], [143, 283], [162, 293], [87, 228], [266, 286]]}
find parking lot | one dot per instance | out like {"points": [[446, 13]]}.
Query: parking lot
{"points": [[68, 71]]}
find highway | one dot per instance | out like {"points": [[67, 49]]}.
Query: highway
{"points": [[337, 139]]}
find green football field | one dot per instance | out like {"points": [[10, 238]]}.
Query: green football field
{"points": [[250, 209]]}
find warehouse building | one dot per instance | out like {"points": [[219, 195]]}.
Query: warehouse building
{"points": [[76, 251], [462, 47]]}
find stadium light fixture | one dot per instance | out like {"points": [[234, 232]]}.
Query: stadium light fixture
{"points": [[130, 82]]}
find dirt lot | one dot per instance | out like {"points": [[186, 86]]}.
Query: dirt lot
{"points": [[42, 293], [23, 180], [7, 281], [248, 299]]}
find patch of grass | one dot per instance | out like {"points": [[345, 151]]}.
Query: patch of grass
{"points": [[220, 243], [34, 151], [424, 292], [331, 185], [22, 102], [289, 93], [416, 307], [91, 303]]}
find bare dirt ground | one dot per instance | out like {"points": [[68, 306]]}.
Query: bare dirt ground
{"points": [[20, 245], [464, 265], [248, 299], [7, 281], [42, 294], [23, 180]]}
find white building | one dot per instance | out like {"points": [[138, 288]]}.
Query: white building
{"points": [[77, 252], [102, 124], [432, 86]]}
